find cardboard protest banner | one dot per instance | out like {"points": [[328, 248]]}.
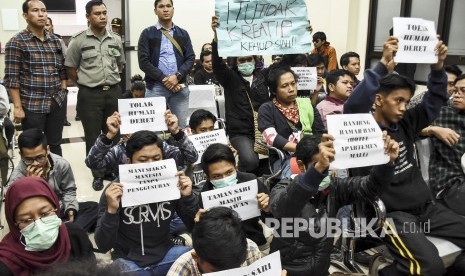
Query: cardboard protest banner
{"points": [[307, 77], [146, 183], [358, 141], [242, 198], [203, 140], [417, 40], [142, 114], [262, 27], [266, 266]]}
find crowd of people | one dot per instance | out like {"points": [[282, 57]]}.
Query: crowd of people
{"points": [[264, 109]]}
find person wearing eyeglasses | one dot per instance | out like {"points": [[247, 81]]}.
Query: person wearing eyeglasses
{"points": [[38, 239], [36, 160]]}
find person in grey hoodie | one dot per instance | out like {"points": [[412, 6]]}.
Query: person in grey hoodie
{"points": [[37, 160]]}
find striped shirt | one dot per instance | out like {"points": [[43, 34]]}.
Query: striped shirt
{"points": [[185, 265], [36, 68]]}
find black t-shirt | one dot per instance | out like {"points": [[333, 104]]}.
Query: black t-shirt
{"points": [[203, 77]]}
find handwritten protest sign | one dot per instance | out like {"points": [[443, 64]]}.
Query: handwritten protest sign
{"points": [[262, 27], [241, 197], [307, 77], [203, 140], [145, 183], [266, 266], [142, 114], [358, 141], [417, 40]]}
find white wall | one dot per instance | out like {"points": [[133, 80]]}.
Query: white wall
{"points": [[345, 22]]}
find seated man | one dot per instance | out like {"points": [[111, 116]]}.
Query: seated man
{"points": [[304, 196], [140, 235], [37, 160], [350, 61], [319, 94], [205, 74], [447, 177], [219, 165], [339, 86], [407, 198], [103, 156], [219, 244]]}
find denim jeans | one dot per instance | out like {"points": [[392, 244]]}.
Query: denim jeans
{"points": [[178, 102], [129, 267]]}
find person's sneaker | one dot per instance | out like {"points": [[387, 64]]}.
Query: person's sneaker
{"points": [[77, 118], [178, 240], [67, 123], [97, 184], [377, 262]]}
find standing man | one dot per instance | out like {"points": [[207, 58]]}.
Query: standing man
{"points": [[35, 76], [94, 59], [166, 57]]}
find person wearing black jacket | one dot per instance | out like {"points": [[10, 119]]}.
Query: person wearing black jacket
{"points": [[218, 164], [304, 197], [408, 199], [244, 88]]}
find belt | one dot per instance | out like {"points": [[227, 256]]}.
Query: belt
{"points": [[101, 87]]}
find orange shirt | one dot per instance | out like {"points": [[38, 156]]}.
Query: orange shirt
{"points": [[329, 52]]}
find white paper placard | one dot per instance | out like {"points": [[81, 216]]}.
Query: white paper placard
{"points": [[146, 183], [266, 266], [10, 21], [242, 198], [358, 141], [417, 40], [142, 114], [307, 77], [203, 140]]}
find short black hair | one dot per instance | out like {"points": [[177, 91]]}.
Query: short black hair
{"points": [[203, 46], [137, 83], [157, 1], [459, 78], [200, 115], [140, 139], [307, 148], [218, 238], [333, 77], [204, 54], [345, 58], [319, 35], [32, 138], [274, 76], [393, 82], [26, 6], [216, 153], [453, 69], [315, 60], [294, 60], [93, 3]]}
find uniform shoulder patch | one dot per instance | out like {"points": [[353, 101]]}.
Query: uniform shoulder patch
{"points": [[77, 34]]}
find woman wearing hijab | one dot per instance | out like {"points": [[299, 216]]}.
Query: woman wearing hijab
{"points": [[38, 239]]}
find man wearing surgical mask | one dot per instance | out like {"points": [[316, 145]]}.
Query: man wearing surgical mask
{"points": [[219, 165], [245, 91]]}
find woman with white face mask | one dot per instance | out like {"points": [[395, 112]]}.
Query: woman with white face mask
{"points": [[245, 91], [38, 239]]}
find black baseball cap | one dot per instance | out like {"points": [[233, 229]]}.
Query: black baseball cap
{"points": [[116, 22]]}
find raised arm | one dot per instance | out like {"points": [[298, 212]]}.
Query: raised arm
{"points": [[363, 96], [222, 73]]}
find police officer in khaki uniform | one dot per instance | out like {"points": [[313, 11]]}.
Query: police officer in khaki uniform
{"points": [[94, 59]]}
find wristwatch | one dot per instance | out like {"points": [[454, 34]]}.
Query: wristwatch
{"points": [[178, 76]]}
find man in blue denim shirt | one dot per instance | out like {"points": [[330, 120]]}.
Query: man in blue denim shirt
{"points": [[165, 66]]}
